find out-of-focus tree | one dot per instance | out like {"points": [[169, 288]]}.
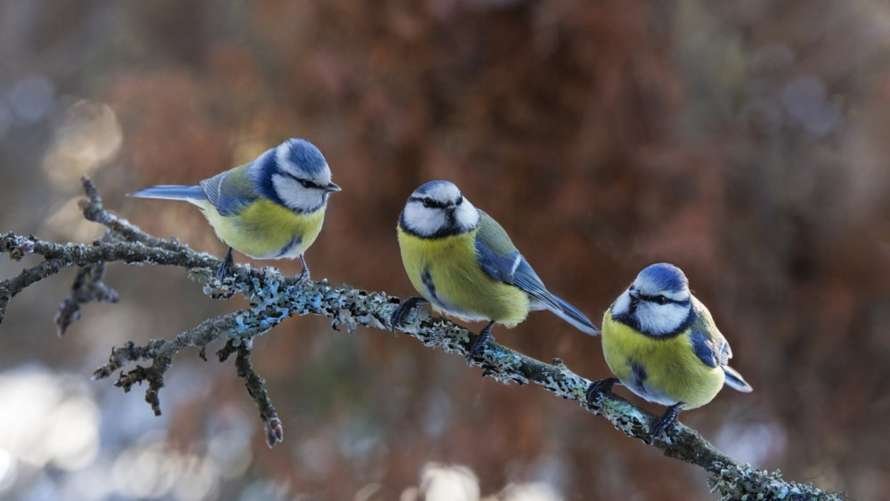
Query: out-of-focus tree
{"points": [[742, 141]]}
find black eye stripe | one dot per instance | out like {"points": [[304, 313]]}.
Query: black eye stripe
{"points": [[430, 203], [304, 182], [660, 299]]}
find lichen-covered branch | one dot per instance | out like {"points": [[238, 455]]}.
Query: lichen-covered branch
{"points": [[274, 298], [256, 388], [88, 287]]}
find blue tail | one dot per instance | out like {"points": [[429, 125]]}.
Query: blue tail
{"points": [[571, 315], [172, 192], [735, 380]]}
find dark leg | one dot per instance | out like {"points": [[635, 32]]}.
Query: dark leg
{"points": [[226, 266], [667, 420], [598, 387], [478, 344], [407, 305], [304, 275]]}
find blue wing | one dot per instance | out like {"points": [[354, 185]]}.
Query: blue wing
{"points": [[501, 260], [707, 341], [230, 191], [712, 348], [703, 348]]}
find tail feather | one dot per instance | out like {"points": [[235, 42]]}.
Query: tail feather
{"points": [[735, 380], [571, 315], [172, 192]]}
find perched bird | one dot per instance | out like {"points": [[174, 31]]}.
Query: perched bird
{"points": [[663, 345], [463, 263], [270, 208]]}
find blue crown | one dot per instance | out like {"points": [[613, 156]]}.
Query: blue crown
{"points": [[433, 185], [664, 276], [305, 155]]}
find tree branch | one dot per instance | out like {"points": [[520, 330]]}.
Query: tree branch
{"points": [[273, 298]]}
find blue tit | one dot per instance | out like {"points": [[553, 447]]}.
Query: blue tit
{"points": [[270, 208], [661, 343], [463, 263]]}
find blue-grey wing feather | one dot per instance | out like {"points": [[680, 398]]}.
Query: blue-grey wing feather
{"points": [[230, 191], [500, 260], [510, 268], [707, 341], [701, 345]]}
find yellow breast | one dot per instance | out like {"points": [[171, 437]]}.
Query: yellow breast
{"points": [[661, 370], [446, 272], [267, 230]]}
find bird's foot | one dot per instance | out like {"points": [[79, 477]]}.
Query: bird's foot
{"points": [[599, 387], [404, 309], [664, 423], [304, 275], [226, 267], [480, 342]]}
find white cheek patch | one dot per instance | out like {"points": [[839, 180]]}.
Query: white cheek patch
{"points": [[661, 319], [466, 215], [295, 196], [424, 220]]}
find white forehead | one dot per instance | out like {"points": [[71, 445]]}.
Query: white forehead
{"points": [[653, 288], [648, 286], [440, 190]]}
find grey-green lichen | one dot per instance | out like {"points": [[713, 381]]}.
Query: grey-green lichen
{"points": [[273, 298]]}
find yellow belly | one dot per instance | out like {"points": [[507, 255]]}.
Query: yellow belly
{"points": [[459, 286], [665, 371], [266, 230]]}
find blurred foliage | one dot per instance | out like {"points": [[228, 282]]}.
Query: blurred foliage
{"points": [[743, 141]]}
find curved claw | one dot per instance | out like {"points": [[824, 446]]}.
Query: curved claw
{"points": [[478, 345], [599, 387], [662, 424], [304, 275], [226, 267], [408, 305]]}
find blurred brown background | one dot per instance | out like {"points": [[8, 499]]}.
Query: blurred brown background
{"points": [[743, 141]]}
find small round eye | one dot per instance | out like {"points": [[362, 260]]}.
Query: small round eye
{"points": [[306, 184], [428, 204], [661, 299]]}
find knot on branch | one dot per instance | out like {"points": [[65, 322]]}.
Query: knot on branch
{"points": [[17, 246]]}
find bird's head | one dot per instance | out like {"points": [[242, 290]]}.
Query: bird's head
{"points": [[658, 302], [300, 175], [438, 209]]}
